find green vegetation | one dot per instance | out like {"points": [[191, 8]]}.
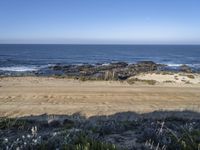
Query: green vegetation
{"points": [[191, 76], [81, 142], [103, 133], [84, 78], [7, 123], [166, 73], [169, 81], [84, 143], [60, 76], [189, 140]]}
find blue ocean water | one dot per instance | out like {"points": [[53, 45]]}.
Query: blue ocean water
{"points": [[31, 57]]}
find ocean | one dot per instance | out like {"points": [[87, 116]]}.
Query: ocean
{"points": [[33, 57]]}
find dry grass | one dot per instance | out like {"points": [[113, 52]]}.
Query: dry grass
{"points": [[191, 76], [134, 80], [169, 81]]}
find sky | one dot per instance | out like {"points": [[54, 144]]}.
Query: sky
{"points": [[100, 21]]}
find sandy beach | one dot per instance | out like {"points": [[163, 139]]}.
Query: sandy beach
{"points": [[21, 96]]}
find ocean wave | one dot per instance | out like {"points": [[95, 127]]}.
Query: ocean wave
{"points": [[23, 68], [174, 65], [178, 65], [19, 69]]}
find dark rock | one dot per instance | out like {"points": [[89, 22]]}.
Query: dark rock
{"points": [[123, 77], [145, 66], [123, 74], [85, 67], [119, 65], [112, 71], [57, 67], [67, 66], [185, 68], [146, 63]]}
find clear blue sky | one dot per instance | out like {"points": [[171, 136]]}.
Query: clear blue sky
{"points": [[100, 21]]}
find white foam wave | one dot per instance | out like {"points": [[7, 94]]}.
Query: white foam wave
{"points": [[178, 65], [24, 68], [105, 64], [19, 69], [174, 65]]}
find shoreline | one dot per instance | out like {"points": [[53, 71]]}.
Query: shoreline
{"points": [[109, 71]]}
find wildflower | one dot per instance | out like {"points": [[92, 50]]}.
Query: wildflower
{"points": [[28, 136], [54, 134], [34, 130], [5, 140], [35, 140]]}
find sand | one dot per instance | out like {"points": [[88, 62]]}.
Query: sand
{"points": [[23, 96], [177, 78]]}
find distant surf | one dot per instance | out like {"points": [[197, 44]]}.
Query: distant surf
{"points": [[19, 69]]}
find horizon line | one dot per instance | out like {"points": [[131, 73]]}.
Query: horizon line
{"points": [[97, 44]]}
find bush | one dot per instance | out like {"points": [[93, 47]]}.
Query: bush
{"points": [[7, 123], [190, 76]]}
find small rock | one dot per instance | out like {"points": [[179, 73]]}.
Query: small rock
{"points": [[57, 67]]}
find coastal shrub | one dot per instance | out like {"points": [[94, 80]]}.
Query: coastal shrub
{"points": [[191, 76], [176, 78], [171, 136], [188, 82], [189, 140], [169, 81], [59, 76], [68, 124], [7, 123], [167, 73], [82, 143], [87, 78], [150, 82], [134, 80], [126, 132]]}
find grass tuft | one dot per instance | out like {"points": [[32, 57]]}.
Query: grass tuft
{"points": [[134, 80]]}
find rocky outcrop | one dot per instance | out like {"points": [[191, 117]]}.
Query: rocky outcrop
{"points": [[185, 68], [112, 71], [145, 66]]}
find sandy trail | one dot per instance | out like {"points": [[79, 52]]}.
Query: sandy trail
{"points": [[20, 96]]}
